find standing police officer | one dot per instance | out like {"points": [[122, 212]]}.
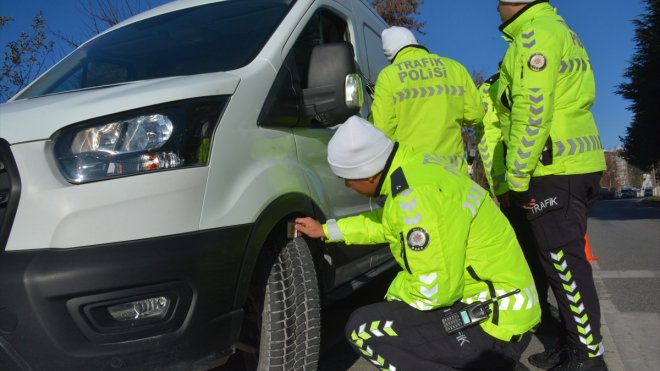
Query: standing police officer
{"points": [[454, 247], [554, 161], [422, 99], [493, 152]]}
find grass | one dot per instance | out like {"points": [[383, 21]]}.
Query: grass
{"points": [[653, 200]]}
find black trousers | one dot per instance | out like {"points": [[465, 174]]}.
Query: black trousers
{"points": [[518, 219], [559, 223], [394, 335]]}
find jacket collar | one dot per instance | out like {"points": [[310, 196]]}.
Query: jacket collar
{"points": [[511, 28], [400, 154], [408, 51]]}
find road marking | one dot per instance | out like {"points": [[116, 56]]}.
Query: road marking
{"points": [[608, 309], [627, 274]]}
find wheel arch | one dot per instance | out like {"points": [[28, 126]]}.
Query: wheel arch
{"points": [[271, 222]]}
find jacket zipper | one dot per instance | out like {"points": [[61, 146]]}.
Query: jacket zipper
{"points": [[403, 253]]}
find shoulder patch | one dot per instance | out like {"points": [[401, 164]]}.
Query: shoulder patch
{"points": [[398, 181], [537, 62], [417, 239]]}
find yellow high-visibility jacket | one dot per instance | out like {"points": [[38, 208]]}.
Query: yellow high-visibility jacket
{"points": [[545, 92], [423, 100], [450, 239], [491, 143]]}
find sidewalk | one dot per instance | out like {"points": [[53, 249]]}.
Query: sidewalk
{"points": [[612, 357]]}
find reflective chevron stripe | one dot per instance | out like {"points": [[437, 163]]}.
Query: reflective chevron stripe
{"points": [[420, 305], [528, 141], [429, 278], [575, 64], [575, 145], [362, 335], [428, 91], [428, 291], [407, 205], [452, 169], [412, 220], [435, 159], [521, 301], [529, 36], [574, 297], [474, 199], [596, 350]]}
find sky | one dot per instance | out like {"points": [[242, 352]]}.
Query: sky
{"points": [[465, 30]]}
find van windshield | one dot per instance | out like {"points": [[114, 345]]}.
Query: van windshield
{"points": [[215, 37]]}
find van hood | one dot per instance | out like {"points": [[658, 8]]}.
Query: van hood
{"points": [[39, 118]]}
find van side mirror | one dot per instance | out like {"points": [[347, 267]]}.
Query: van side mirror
{"points": [[335, 89]]}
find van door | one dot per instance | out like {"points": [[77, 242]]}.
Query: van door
{"points": [[328, 24]]}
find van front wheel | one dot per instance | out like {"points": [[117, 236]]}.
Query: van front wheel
{"points": [[287, 299]]}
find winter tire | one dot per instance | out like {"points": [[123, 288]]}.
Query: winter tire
{"points": [[289, 326]]}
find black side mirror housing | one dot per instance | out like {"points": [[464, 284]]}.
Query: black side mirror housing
{"points": [[334, 90]]}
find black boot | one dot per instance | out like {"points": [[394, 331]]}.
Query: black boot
{"points": [[578, 359], [550, 326], [551, 357], [520, 367]]}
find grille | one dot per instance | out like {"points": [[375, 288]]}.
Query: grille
{"points": [[10, 191]]}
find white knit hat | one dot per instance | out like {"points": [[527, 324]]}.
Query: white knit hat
{"points": [[396, 38], [358, 149]]}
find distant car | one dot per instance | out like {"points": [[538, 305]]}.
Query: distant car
{"points": [[628, 193], [606, 193], [648, 192]]}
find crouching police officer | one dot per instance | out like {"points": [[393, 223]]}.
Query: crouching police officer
{"points": [[454, 247]]}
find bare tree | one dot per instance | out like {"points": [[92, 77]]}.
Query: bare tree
{"points": [[610, 179], [107, 13], [25, 57], [103, 14], [400, 13]]}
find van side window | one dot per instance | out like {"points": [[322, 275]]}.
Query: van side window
{"points": [[375, 56], [376, 61], [284, 105], [324, 27]]}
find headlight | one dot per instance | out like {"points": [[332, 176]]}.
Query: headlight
{"points": [[172, 135]]}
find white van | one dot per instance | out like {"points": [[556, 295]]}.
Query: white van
{"points": [[147, 180]]}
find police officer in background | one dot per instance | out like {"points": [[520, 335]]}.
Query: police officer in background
{"points": [[554, 162], [491, 145], [453, 246], [422, 99], [493, 152]]}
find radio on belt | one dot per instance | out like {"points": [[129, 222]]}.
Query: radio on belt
{"points": [[471, 315]]}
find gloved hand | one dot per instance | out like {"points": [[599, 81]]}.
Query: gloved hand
{"points": [[522, 199]]}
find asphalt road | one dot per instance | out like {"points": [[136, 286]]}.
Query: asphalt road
{"points": [[624, 235]]}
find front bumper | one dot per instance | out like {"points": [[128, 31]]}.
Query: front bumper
{"points": [[52, 314]]}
